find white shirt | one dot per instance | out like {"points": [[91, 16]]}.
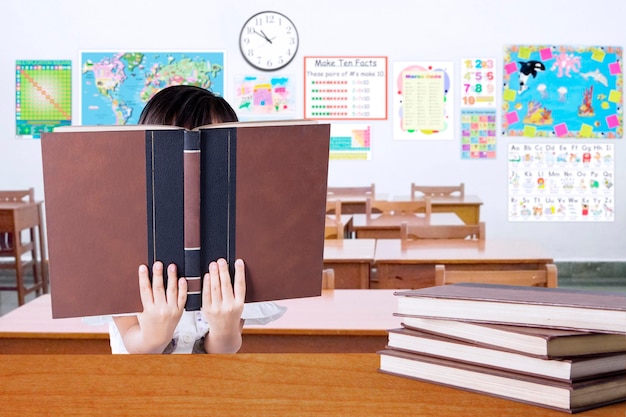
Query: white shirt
{"points": [[191, 329]]}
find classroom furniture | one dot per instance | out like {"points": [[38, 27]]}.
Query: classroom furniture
{"points": [[466, 207], [351, 259], [394, 208], [437, 190], [545, 276], [388, 227], [328, 279], [438, 231], [20, 214], [238, 384], [337, 321], [334, 228], [411, 264], [352, 198]]}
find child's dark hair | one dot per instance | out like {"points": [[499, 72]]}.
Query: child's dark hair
{"points": [[186, 106]]}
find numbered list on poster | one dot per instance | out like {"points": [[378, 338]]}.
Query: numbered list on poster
{"points": [[346, 88]]}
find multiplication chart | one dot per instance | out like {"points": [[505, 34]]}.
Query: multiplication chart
{"points": [[345, 88], [43, 96], [478, 114]]}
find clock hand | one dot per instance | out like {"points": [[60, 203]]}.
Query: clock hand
{"points": [[266, 38]]}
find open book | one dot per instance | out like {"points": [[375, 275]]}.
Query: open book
{"points": [[120, 196]]}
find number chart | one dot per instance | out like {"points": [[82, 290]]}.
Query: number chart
{"points": [[43, 96], [345, 88], [478, 81]]}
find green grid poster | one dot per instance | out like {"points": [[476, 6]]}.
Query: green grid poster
{"points": [[43, 96]]}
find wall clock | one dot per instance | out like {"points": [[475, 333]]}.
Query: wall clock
{"points": [[268, 41]]}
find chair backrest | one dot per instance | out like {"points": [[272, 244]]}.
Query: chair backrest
{"points": [[544, 277], [18, 195], [438, 190], [334, 226], [430, 231], [391, 208], [369, 191], [328, 279]]}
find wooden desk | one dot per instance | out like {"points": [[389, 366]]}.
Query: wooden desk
{"points": [[235, 385], [466, 207], [412, 264], [30, 329], [16, 217], [338, 321], [346, 222], [353, 204], [354, 321], [388, 227], [352, 261]]}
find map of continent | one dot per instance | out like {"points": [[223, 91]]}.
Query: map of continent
{"points": [[117, 85]]}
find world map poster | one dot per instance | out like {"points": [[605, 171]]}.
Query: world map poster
{"points": [[563, 91], [115, 86]]}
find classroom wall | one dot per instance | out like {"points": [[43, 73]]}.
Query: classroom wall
{"points": [[402, 30]]}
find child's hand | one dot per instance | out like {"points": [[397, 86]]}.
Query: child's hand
{"points": [[222, 306], [162, 309]]}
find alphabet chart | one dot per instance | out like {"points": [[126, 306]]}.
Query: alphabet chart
{"points": [[561, 182]]}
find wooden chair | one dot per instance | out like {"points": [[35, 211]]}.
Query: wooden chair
{"points": [[544, 277], [334, 226], [328, 279], [351, 196], [429, 231], [437, 191], [13, 248], [391, 208]]}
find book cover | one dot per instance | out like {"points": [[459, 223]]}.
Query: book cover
{"points": [[535, 341], [569, 397], [565, 369], [116, 198], [595, 311]]}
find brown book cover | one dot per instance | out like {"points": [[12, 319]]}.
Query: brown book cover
{"points": [[118, 197], [564, 369], [564, 396], [595, 311], [535, 341]]}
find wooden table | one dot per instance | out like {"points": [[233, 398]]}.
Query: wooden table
{"points": [[412, 264], [235, 385], [16, 217], [351, 259], [388, 227], [352, 321], [466, 207], [338, 321], [346, 222]]}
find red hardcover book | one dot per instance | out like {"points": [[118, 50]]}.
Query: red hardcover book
{"points": [[120, 196]]}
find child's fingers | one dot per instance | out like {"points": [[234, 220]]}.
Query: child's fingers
{"points": [[145, 289], [216, 287], [158, 288], [240, 280], [226, 286]]}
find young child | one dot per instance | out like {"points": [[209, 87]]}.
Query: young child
{"points": [[164, 326]]}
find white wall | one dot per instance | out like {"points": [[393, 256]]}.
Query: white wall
{"points": [[402, 30]]}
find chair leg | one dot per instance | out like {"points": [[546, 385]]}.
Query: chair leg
{"points": [[37, 281]]}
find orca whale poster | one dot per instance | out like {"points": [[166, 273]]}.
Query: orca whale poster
{"points": [[562, 91]]}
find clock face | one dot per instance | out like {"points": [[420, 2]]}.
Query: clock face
{"points": [[268, 41]]}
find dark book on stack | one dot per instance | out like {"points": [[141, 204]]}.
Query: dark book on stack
{"points": [[469, 346], [120, 196]]}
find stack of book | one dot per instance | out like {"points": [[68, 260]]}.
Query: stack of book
{"points": [[563, 349]]}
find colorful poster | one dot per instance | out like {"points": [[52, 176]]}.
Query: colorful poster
{"points": [[478, 133], [43, 96], [561, 182], [264, 96], [562, 91], [478, 81], [345, 88], [423, 108], [350, 141], [115, 86]]}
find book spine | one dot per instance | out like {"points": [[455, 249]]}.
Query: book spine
{"points": [[191, 190]]}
